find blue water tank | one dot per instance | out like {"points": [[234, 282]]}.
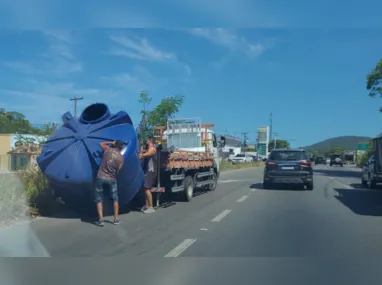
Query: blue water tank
{"points": [[71, 157]]}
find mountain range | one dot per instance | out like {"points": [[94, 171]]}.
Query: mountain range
{"points": [[347, 142]]}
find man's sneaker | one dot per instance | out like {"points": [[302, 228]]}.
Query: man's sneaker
{"points": [[149, 211], [100, 223], [116, 222], [143, 208]]}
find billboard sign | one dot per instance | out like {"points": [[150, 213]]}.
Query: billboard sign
{"points": [[263, 135], [362, 146]]}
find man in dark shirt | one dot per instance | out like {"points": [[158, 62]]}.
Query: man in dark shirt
{"points": [[111, 164]]}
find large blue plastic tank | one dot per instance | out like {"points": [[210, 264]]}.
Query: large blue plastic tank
{"points": [[71, 157]]}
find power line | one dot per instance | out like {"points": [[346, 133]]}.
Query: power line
{"points": [[75, 99]]}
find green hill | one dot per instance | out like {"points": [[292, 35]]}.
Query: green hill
{"points": [[347, 142]]}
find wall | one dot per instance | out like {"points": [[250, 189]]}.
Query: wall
{"points": [[5, 146]]}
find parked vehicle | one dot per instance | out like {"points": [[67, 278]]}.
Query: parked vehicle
{"points": [[370, 175], [336, 159], [372, 170], [320, 160], [288, 166], [242, 158]]}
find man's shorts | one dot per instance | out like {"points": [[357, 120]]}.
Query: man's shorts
{"points": [[108, 185]]}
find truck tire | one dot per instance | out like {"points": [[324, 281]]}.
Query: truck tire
{"points": [[188, 184], [212, 187], [363, 181], [309, 186], [371, 184]]}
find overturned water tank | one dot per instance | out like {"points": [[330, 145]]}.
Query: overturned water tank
{"points": [[71, 157]]}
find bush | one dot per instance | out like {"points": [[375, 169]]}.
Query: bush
{"points": [[361, 159], [38, 193]]}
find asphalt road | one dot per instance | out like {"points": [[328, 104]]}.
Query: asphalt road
{"points": [[337, 220]]}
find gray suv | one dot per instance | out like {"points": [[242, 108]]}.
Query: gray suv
{"points": [[336, 160]]}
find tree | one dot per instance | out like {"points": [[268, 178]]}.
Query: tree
{"points": [[158, 116], [279, 144], [144, 130], [14, 122], [374, 82], [165, 110]]}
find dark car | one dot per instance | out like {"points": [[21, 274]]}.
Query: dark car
{"points": [[336, 159], [320, 160], [288, 166]]}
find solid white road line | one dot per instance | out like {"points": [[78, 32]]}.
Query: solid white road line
{"points": [[180, 248], [242, 199], [220, 217]]}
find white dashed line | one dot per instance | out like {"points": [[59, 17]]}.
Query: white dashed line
{"points": [[242, 199], [180, 248], [204, 229], [220, 217]]}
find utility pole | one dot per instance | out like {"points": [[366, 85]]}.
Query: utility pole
{"points": [[275, 140], [75, 99], [245, 140], [270, 126]]}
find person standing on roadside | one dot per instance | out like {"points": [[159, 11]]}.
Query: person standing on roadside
{"points": [[111, 164], [149, 165]]}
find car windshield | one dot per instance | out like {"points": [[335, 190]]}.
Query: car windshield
{"points": [[288, 155], [336, 156], [240, 155]]}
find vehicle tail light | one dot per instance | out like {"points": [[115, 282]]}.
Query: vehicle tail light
{"points": [[270, 163], [305, 163]]}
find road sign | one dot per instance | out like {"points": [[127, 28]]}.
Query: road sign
{"points": [[362, 146]]}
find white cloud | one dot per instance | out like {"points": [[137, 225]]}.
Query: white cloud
{"points": [[140, 78], [230, 40], [57, 60], [136, 48]]}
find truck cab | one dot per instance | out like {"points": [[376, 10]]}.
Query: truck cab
{"points": [[190, 134]]}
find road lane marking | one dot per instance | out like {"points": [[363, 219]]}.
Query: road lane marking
{"points": [[204, 229], [180, 248], [221, 216], [233, 180], [242, 199]]}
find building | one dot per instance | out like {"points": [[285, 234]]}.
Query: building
{"points": [[9, 142]]}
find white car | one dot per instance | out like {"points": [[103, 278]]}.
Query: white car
{"points": [[242, 158]]}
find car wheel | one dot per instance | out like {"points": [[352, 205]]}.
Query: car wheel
{"points": [[342, 165], [309, 186]]}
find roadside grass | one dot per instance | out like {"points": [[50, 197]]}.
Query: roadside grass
{"points": [[227, 166], [24, 194]]}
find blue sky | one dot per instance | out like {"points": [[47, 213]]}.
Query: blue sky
{"points": [[307, 65]]}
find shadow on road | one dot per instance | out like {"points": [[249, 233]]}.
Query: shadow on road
{"points": [[277, 187], [361, 201], [338, 172]]}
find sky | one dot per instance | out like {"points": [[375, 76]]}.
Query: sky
{"points": [[304, 62]]}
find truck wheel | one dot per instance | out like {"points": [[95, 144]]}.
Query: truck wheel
{"points": [[371, 183], [363, 181], [214, 178], [188, 188]]}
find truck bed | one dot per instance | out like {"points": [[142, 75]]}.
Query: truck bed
{"points": [[190, 159]]}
